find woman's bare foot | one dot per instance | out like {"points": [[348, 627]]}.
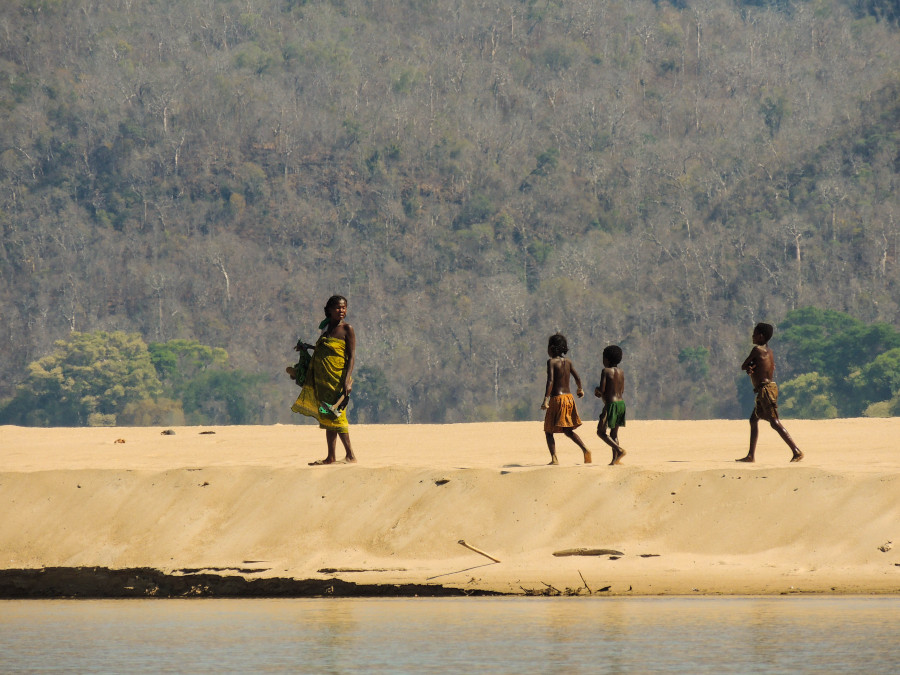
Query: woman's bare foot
{"points": [[322, 462], [553, 461], [617, 456], [748, 458], [587, 457], [797, 456]]}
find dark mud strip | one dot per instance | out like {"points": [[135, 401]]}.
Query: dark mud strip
{"points": [[145, 582]]}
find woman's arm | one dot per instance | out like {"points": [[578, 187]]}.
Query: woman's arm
{"points": [[349, 359]]}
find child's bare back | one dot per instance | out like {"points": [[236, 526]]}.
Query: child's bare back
{"points": [[559, 374], [612, 385]]}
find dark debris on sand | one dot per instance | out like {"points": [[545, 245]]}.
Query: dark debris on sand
{"points": [[146, 582]]}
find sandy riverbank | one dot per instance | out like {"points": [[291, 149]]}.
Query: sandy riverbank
{"points": [[684, 516]]}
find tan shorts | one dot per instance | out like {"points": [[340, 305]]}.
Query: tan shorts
{"points": [[767, 402]]}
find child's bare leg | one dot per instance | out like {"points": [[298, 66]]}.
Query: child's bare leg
{"points": [[587, 453], [614, 434], [345, 439], [786, 437], [618, 450], [754, 435], [601, 432], [551, 445]]}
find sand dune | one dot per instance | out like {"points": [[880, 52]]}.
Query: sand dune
{"points": [[685, 516]]}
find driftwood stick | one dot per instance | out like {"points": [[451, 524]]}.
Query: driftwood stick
{"points": [[462, 542], [587, 551], [585, 583]]}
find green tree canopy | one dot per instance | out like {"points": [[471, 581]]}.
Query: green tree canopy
{"points": [[178, 362], [808, 397], [372, 399], [86, 380], [224, 397], [115, 378], [836, 361], [879, 380], [828, 341]]}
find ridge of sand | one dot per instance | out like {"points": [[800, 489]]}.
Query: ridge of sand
{"points": [[686, 517]]}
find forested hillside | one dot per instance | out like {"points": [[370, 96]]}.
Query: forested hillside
{"points": [[473, 176]]}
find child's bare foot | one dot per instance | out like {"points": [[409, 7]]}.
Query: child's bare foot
{"points": [[797, 456], [350, 459], [322, 462], [290, 371], [617, 456], [748, 459], [553, 461], [587, 457]]}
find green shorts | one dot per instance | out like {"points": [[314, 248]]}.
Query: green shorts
{"points": [[613, 415]]}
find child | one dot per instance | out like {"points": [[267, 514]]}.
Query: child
{"points": [[562, 416], [760, 366], [612, 386]]}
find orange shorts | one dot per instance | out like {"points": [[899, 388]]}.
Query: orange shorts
{"points": [[562, 415]]}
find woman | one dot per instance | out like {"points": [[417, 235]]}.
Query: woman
{"points": [[326, 389]]}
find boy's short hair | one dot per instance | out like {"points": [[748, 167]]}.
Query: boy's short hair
{"points": [[613, 354], [558, 344], [765, 329]]}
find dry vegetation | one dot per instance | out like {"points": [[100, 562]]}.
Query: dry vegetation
{"points": [[473, 176]]}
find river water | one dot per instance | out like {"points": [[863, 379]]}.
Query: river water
{"points": [[459, 635]]}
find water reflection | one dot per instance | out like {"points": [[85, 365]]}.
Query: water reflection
{"points": [[499, 635]]}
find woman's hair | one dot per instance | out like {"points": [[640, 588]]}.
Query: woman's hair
{"points": [[333, 302], [558, 344]]}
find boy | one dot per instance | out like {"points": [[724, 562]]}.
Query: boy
{"points": [[562, 416], [612, 386], [760, 366]]}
